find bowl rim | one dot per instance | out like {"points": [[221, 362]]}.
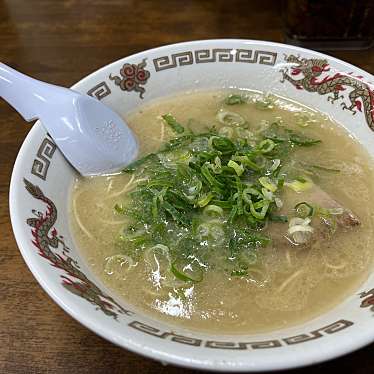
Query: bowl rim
{"points": [[346, 346]]}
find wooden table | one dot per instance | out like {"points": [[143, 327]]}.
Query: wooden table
{"points": [[60, 42]]}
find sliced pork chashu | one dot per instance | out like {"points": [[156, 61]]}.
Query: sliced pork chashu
{"points": [[336, 218]]}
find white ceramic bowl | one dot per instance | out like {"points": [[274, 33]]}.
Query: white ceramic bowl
{"points": [[42, 178]]}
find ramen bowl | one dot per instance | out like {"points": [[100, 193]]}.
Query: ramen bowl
{"points": [[42, 180]]}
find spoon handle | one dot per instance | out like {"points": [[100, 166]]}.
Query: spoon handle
{"points": [[26, 95], [15, 89]]}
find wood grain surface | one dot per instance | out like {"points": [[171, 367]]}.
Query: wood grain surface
{"points": [[60, 42]]}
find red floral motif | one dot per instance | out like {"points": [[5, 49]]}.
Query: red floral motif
{"points": [[133, 77], [48, 242]]}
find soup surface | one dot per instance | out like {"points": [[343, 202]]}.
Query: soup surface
{"points": [[289, 244]]}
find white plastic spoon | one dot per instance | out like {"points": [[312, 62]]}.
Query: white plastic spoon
{"points": [[93, 138]]}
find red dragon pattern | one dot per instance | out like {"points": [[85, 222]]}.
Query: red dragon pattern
{"points": [[361, 95], [47, 240]]}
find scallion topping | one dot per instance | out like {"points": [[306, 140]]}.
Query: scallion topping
{"points": [[172, 122], [230, 118], [267, 183], [266, 146], [304, 210], [301, 184], [213, 211], [235, 99], [239, 169], [204, 196]]}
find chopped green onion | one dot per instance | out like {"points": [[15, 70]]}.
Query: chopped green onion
{"points": [[239, 170], [266, 146], [260, 204], [171, 281], [177, 216], [193, 188], [278, 218], [243, 134], [187, 272], [155, 207], [275, 166], [233, 214], [268, 195], [210, 178], [267, 183], [300, 184], [304, 210], [265, 103], [280, 181], [172, 122], [278, 202], [247, 162], [119, 209], [217, 167], [301, 140], [204, 195], [134, 165], [300, 229], [222, 144], [204, 199], [247, 192], [235, 99], [261, 214], [230, 118], [225, 204], [216, 231], [260, 161], [213, 211], [158, 257], [211, 230], [136, 237], [228, 132]]}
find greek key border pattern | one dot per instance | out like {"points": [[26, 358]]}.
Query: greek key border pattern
{"points": [[274, 343], [100, 91], [43, 158], [215, 55]]}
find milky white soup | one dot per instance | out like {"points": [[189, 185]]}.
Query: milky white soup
{"points": [[262, 223]]}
